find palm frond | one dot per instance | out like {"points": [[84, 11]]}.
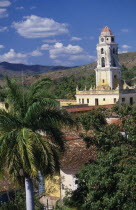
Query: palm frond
{"points": [[40, 115], [22, 145], [15, 96], [38, 90], [8, 122]]}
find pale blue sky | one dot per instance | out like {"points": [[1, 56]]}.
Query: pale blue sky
{"points": [[62, 32]]}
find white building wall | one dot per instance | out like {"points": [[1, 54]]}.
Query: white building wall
{"points": [[105, 99], [102, 99], [67, 181]]}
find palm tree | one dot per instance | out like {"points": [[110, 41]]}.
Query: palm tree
{"points": [[31, 138]]}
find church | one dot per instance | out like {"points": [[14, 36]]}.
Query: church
{"points": [[110, 89]]}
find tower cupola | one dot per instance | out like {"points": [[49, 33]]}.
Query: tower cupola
{"points": [[106, 35]]}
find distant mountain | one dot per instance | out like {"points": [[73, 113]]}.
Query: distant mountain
{"points": [[17, 69], [33, 72]]}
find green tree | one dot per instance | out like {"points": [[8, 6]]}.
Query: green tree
{"points": [[30, 134], [93, 120]]}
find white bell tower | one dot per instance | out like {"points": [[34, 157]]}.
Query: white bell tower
{"points": [[108, 71]]}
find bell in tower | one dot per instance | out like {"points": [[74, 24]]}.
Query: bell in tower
{"points": [[108, 71]]}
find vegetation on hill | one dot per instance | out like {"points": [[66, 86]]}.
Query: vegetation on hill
{"points": [[65, 87], [64, 81]]}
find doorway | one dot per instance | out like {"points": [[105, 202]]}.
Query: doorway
{"points": [[96, 102], [131, 100]]}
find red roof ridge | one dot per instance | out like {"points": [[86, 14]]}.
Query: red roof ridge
{"points": [[106, 29]]}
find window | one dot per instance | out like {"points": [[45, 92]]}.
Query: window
{"points": [[103, 80], [123, 100], [131, 100], [75, 185], [82, 101], [87, 100], [107, 39], [103, 61], [102, 39], [115, 100], [113, 62], [103, 99], [113, 50], [79, 101], [96, 102], [115, 76], [112, 39], [102, 51]]}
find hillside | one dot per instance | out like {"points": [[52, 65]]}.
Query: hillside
{"points": [[34, 72], [126, 59]]}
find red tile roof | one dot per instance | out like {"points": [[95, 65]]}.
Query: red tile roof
{"points": [[86, 108], [115, 121], [76, 154], [106, 29]]}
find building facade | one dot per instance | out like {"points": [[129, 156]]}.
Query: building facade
{"points": [[110, 89]]}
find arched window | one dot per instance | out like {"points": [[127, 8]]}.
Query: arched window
{"points": [[112, 39], [113, 62], [103, 62], [102, 51], [113, 50]]}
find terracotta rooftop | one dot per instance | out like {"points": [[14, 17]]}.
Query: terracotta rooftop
{"points": [[115, 121], [106, 30], [86, 108], [76, 154]]}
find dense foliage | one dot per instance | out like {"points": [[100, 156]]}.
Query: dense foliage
{"points": [[128, 74], [93, 120], [65, 87], [109, 182]]}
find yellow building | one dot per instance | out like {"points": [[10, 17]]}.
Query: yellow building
{"points": [[110, 89]]}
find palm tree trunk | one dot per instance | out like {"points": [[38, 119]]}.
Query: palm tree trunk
{"points": [[29, 194], [41, 184]]}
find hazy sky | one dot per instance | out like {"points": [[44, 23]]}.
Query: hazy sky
{"points": [[62, 32]]}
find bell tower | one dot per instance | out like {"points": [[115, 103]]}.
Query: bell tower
{"points": [[108, 71]]}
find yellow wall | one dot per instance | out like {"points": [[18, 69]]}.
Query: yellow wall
{"points": [[52, 185], [65, 102], [103, 75]]}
